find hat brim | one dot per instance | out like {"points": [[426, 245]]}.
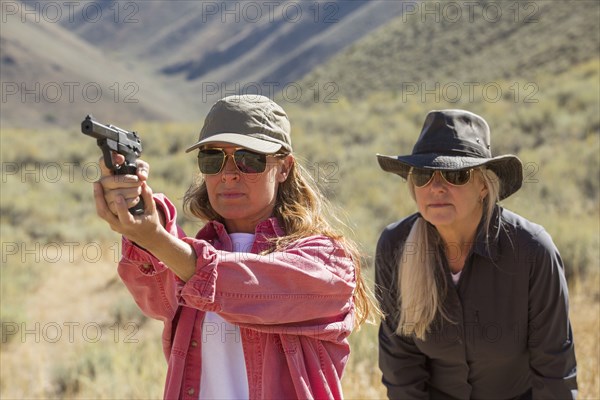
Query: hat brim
{"points": [[249, 142], [508, 168]]}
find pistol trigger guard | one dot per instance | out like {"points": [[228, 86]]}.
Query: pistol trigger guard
{"points": [[107, 154]]}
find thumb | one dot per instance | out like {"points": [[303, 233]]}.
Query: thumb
{"points": [[147, 197]]}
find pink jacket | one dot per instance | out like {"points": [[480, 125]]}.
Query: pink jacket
{"points": [[294, 309]]}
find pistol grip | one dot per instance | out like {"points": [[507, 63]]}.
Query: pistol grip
{"points": [[131, 169]]}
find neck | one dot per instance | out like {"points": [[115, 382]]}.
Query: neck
{"points": [[458, 242], [454, 238]]}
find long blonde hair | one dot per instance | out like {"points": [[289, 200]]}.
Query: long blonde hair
{"points": [[422, 280], [301, 209]]}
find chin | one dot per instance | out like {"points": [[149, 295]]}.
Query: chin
{"points": [[439, 220]]}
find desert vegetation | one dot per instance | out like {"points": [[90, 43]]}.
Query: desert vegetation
{"points": [[69, 328]]}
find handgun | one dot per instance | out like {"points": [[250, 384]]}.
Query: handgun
{"points": [[112, 138]]}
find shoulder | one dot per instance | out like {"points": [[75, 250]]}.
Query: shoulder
{"points": [[318, 241], [524, 231], [396, 233], [321, 246], [390, 246], [526, 243], [322, 251]]}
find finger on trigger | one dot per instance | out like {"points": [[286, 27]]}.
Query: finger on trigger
{"points": [[116, 158], [143, 169]]}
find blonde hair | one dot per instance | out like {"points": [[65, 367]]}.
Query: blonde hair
{"points": [[422, 280], [301, 208]]}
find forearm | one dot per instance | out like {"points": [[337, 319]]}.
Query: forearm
{"points": [[178, 255]]}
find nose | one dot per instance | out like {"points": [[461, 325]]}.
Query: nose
{"points": [[438, 181], [230, 171]]}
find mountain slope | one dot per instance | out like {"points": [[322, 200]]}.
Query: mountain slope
{"points": [[461, 44], [51, 77], [233, 41], [165, 60]]}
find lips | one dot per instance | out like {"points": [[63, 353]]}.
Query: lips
{"points": [[231, 195], [439, 205]]}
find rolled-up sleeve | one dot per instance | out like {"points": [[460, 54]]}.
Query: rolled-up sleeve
{"points": [[311, 282]]}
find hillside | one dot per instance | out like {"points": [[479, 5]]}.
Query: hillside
{"points": [[164, 60], [233, 41], [456, 49], [51, 77]]}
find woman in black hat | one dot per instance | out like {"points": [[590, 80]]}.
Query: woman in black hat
{"points": [[474, 295]]}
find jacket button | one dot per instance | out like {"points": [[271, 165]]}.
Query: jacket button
{"points": [[190, 391], [194, 343]]}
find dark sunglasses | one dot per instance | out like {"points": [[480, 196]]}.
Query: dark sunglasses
{"points": [[211, 160], [421, 177]]}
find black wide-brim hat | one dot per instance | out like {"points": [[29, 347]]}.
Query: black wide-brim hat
{"points": [[455, 140]]}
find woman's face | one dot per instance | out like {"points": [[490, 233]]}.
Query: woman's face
{"points": [[452, 208], [244, 200]]}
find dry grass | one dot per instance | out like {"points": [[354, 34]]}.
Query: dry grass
{"points": [[85, 339], [585, 318], [362, 379], [79, 336]]}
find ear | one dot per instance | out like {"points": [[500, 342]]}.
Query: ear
{"points": [[483, 195], [285, 167], [484, 190]]}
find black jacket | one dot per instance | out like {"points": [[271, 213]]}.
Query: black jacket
{"points": [[511, 338]]}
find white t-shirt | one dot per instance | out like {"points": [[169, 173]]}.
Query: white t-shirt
{"points": [[223, 373], [456, 277]]}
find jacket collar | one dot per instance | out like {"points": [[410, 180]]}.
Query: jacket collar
{"points": [[486, 243], [215, 233]]}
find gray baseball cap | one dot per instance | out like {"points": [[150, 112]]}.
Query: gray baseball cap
{"points": [[251, 121]]}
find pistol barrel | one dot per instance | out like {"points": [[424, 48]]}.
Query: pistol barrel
{"points": [[97, 130]]}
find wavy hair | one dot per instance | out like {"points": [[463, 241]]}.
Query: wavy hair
{"points": [[422, 282], [301, 209]]}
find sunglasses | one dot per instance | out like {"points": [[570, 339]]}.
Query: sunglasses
{"points": [[422, 177], [212, 160]]}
